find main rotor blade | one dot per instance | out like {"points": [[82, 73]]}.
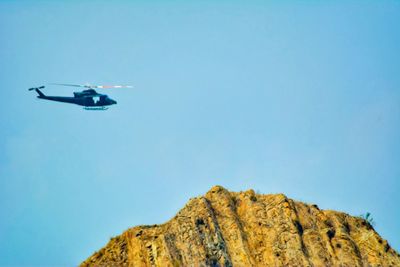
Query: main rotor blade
{"points": [[94, 86], [66, 84], [111, 86]]}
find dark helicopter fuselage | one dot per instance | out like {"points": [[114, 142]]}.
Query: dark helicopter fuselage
{"points": [[86, 98]]}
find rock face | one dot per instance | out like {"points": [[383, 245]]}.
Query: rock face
{"points": [[247, 229]]}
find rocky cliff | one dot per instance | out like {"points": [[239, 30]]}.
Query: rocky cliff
{"points": [[246, 229]]}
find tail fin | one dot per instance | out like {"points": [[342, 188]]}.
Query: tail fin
{"points": [[37, 90]]}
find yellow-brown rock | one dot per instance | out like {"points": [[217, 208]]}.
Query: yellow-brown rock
{"points": [[247, 229]]}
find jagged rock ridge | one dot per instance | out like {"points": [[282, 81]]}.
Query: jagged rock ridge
{"points": [[247, 229]]}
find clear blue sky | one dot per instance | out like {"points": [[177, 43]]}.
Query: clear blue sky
{"points": [[299, 97]]}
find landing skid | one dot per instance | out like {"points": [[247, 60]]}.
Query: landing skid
{"points": [[95, 108]]}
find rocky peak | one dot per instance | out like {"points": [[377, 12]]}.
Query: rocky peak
{"points": [[226, 228]]}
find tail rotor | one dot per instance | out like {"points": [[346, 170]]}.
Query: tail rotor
{"points": [[35, 88], [41, 95]]}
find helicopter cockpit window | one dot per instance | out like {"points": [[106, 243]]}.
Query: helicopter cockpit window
{"points": [[96, 99]]}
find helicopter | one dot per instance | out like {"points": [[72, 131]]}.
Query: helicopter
{"points": [[88, 98]]}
